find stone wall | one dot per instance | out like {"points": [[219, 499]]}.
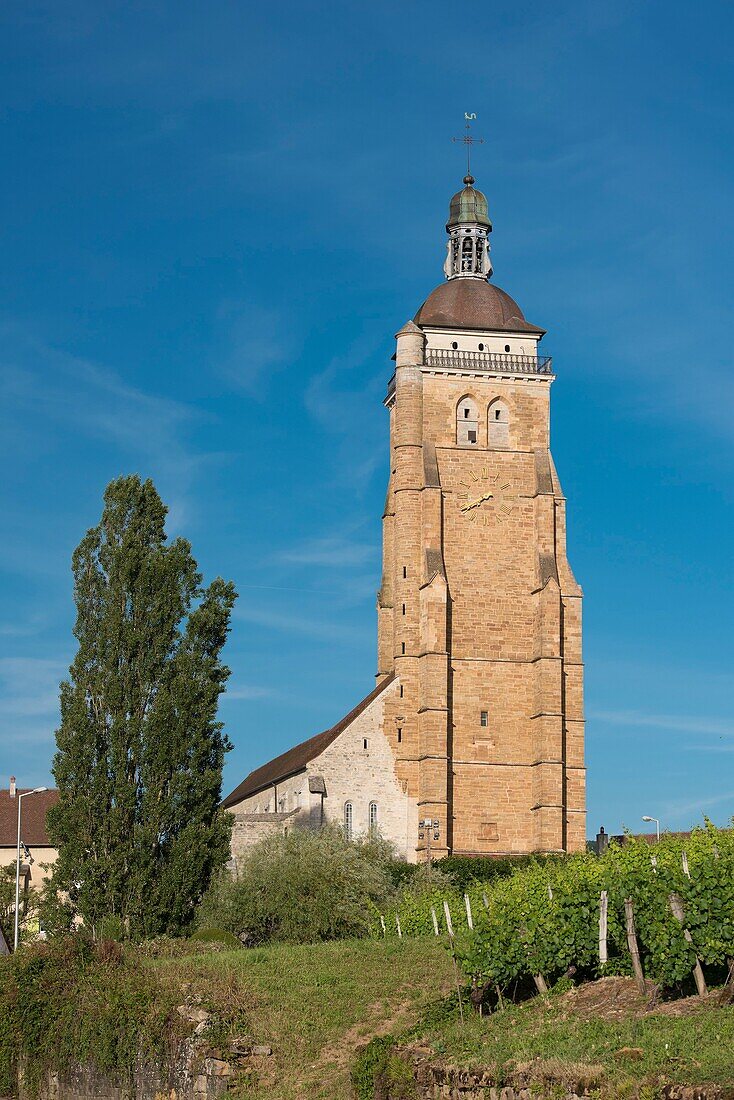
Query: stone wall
{"points": [[196, 1072], [450, 1083]]}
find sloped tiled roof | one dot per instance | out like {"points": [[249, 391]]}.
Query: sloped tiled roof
{"points": [[33, 821], [296, 759]]}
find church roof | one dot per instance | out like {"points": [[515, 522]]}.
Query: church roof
{"points": [[296, 759], [473, 304]]}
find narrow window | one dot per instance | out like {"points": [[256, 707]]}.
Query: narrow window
{"points": [[467, 422], [484, 718], [498, 424], [403, 609], [405, 572], [348, 818], [400, 734], [364, 744], [373, 818], [403, 644], [401, 691]]}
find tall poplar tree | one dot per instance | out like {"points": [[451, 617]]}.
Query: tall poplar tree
{"points": [[139, 750]]}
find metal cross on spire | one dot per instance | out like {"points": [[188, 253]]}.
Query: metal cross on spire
{"points": [[468, 140]]}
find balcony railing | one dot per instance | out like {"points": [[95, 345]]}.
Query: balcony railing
{"points": [[495, 361]]}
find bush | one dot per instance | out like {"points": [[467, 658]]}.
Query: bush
{"points": [[70, 1000], [465, 870], [300, 888], [216, 935]]}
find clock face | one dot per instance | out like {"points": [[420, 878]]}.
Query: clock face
{"points": [[483, 498]]}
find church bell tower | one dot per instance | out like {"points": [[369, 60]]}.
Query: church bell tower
{"points": [[479, 614]]}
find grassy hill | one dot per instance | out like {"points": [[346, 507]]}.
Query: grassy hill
{"points": [[315, 1005]]}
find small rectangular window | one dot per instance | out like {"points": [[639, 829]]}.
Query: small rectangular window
{"points": [[403, 609], [400, 734], [484, 718], [466, 414], [401, 691], [405, 572], [364, 744], [403, 647], [472, 437]]}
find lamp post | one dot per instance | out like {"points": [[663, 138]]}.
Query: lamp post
{"points": [[657, 825], [36, 790]]}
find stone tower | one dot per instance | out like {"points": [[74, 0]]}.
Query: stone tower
{"points": [[479, 614]]}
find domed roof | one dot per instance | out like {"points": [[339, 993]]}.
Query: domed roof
{"points": [[473, 304], [469, 206]]}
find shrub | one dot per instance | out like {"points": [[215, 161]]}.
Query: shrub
{"points": [[216, 935], [299, 888], [69, 1000]]}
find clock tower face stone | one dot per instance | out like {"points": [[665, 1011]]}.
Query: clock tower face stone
{"points": [[479, 614]]}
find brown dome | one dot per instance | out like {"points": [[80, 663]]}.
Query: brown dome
{"points": [[473, 304]]}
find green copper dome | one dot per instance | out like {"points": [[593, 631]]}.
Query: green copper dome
{"points": [[469, 206]]}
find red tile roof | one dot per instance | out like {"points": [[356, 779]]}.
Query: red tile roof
{"points": [[33, 820], [296, 759]]}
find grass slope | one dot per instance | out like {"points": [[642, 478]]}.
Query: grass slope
{"points": [[604, 1031], [315, 1004]]}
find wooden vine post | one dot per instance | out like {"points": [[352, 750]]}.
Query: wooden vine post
{"points": [[434, 918], [467, 904], [676, 908], [603, 927], [450, 930], [629, 917]]}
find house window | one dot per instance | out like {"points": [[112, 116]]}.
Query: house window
{"points": [[484, 718], [348, 820], [373, 818]]}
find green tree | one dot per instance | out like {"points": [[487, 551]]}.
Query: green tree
{"points": [[139, 750]]}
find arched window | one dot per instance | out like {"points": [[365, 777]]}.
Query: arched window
{"points": [[373, 818], [348, 820], [466, 254], [467, 422], [498, 424]]}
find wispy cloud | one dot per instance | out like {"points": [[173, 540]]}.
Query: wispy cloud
{"points": [[703, 724], [245, 692], [286, 623], [29, 687], [50, 400], [254, 342], [674, 810], [334, 551]]}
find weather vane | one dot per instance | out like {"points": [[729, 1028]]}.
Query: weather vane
{"points": [[468, 140]]}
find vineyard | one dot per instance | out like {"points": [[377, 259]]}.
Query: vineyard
{"points": [[663, 912]]}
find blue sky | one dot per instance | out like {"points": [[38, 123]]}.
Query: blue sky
{"points": [[215, 218]]}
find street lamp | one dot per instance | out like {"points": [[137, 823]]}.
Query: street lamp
{"points": [[657, 825], [36, 790]]}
